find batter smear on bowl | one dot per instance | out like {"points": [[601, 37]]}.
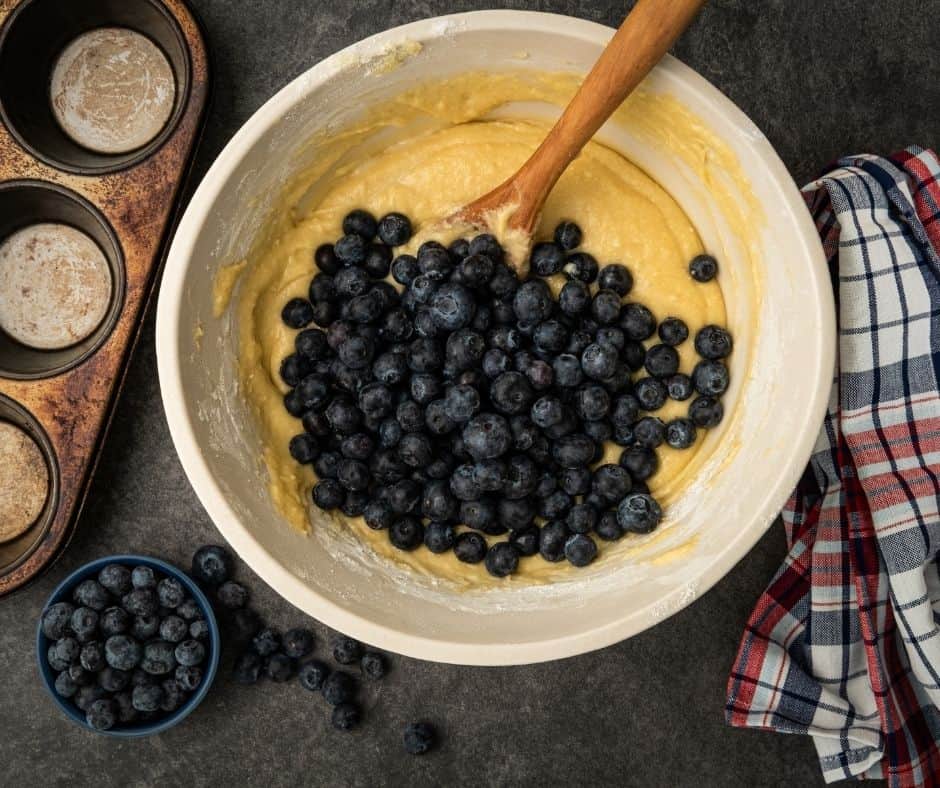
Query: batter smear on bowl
{"points": [[412, 387]]}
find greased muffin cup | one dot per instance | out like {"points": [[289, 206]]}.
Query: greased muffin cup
{"points": [[89, 176]]}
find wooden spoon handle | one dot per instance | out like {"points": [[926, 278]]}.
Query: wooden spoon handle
{"points": [[643, 38]]}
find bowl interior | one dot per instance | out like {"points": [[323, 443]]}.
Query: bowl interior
{"points": [[779, 308], [63, 593]]}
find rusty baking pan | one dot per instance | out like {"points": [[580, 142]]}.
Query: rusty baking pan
{"points": [[101, 107]]}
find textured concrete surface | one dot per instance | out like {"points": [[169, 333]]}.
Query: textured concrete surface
{"points": [[820, 79]]}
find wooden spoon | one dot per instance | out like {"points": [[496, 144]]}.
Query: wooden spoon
{"points": [[643, 38]]}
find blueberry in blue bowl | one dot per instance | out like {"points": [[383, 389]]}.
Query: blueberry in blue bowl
{"points": [[103, 651]]}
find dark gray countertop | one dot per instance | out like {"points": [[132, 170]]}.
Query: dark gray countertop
{"points": [[820, 79]]}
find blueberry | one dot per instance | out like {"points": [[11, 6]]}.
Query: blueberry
{"points": [[357, 352], [575, 481], [547, 258], [573, 451], [505, 338], [91, 656], [55, 621], [436, 418], [461, 403], [266, 642], [640, 462], [173, 695], [344, 417], [361, 223], [351, 250], [599, 361], [452, 306], [568, 236], [680, 433], [650, 393], [637, 322], [522, 476], [325, 259], [394, 229], [297, 313], [122, 652], [639, 513], [378, 261], [567, 370], [662, 361], [476, 270], [464, 349], [703, 268], [64, 652], [673, 331], [338, 687], [713, 343], [501, 559], [390, 369], [247, 668], [406, 533], [511, 393], [101, 714], [189, 653], [608, 528], [487, 435], [313, 674], [439, 537], [355, 503], [346, 717], [199, 629], [373, 665], [364, 309], [533, 301], [147, 697], [377, 515], [611, 483], [552, 540], [145, 626], [322, 288], [575, 297], [386, 467], [470, 547], [424, 355], [437, 502], [487, 244], [173, 629], [405, 269], [525, 540], [710, 378], [158, 657], [324, 313], [113, 680], [212, 565], [351, 282], [615, 277], [353, 475], [116, 578], [65, 685], [434, 261], [90, 593], [84, 623], [591, 402], [706, 412], [547, 411], [403, 497], [649, 432], [581, 518], [679, 386], [580, 549], [189, 677], [419, 738], [232, 595], [605, 307], [279, 667], [582, 266], [170, 592]]}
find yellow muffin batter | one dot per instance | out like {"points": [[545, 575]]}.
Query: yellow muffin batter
{"points": [[456, 155]]}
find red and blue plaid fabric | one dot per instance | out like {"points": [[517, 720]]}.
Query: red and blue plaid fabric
{"points": [[844, 644]]}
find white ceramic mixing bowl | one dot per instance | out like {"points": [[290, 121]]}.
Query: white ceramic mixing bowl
{"points": [[780, 310]]}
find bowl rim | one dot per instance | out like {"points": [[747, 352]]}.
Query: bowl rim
{"points": [[292, 588], [91, 569]]}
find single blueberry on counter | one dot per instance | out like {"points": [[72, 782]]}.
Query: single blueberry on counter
{"points": [[297, 642], [313, 674], [212, 564], [419, 738], [373, 665], [338, 687]]}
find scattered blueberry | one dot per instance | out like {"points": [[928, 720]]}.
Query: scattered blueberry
{"points": [[419, 738], [247, 668], [313, 674], [297, 643], [346, 650], [212, 565], [279, 667], [338, 687]]}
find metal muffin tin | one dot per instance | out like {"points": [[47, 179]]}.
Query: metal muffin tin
{"points": [[63, 399]]}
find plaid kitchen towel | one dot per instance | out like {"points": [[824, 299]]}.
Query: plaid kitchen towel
{"points": [[844, 644]]}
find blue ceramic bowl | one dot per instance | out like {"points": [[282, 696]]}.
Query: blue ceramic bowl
{"points": [[64, 594]]}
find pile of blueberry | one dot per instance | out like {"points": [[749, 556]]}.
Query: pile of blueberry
{"points": [[280, 657], [131, 647], [469, 403]]}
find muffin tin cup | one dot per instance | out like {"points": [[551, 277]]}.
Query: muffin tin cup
{"points": [[124, 202], [31, 39]]}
